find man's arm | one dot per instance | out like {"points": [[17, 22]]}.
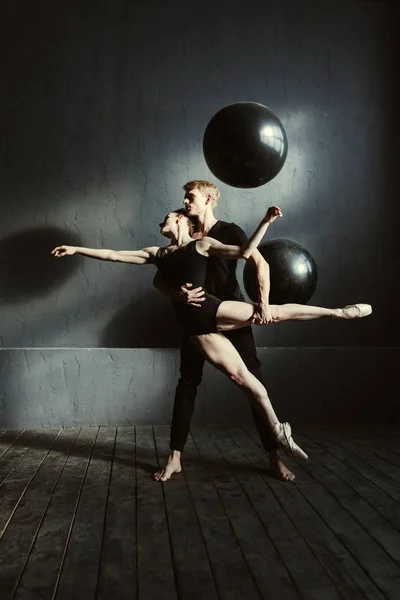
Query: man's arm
{"points": [[211, 247], [262, 314]]}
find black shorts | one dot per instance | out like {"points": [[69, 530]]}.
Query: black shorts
{"points": [[198, 320]]}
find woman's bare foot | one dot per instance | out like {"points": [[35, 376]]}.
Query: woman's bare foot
{"points": [[278, 468], [173, 466]]}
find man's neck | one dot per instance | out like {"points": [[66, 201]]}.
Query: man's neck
{"points": [[206, 222]]}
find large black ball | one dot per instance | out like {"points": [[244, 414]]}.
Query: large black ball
{"points": [[245, 145], [293, 272]]}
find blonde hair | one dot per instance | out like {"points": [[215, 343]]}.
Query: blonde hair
{"points": [[206, 188]]}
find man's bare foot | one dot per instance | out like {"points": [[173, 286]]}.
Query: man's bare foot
{"points": [[173, 466], [278, 468]]}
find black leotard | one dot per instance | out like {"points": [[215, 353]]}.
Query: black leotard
{"points": [[187, 265]]}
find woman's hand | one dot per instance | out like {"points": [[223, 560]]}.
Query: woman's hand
{"points": [[60, 251], [272, 213]]}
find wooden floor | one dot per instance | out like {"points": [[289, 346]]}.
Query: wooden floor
{"points": [[80, 516]]}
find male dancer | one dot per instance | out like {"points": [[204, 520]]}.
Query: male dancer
{"points": [[200, 199]]}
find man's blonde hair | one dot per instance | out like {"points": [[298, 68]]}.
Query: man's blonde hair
{"points": [[206, 188]]}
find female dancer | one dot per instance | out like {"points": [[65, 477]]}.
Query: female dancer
{"points": [[185, 260]]}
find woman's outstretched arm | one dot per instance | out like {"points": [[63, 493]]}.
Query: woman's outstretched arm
{"points": [[211, 247], [135, 257], [254, 240]]}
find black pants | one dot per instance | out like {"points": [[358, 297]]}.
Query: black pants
{"points": [[192, 363]]}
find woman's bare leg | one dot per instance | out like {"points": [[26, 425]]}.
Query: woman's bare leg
{"points": [[233, 315], [220, 352]]}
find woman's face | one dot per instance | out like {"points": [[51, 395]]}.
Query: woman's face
{"points": [[169, 227]]}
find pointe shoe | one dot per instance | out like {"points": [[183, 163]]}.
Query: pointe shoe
{"points": [[283, 434], [356, 311]]}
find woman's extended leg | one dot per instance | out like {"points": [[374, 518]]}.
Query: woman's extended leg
{"points": [[222, 354], [233, 315]]}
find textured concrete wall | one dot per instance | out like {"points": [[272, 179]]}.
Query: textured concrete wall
{"points": [[102, 117], [102, 113], [74, 387]]}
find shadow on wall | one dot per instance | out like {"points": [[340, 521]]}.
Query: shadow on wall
{"points": [[147, 322], [27, 269]]}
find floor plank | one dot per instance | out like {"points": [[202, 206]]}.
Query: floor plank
{"points": [[338, 563], [320, 557], [386, 450], [384, 543], [28, 517], [22, 461], [14, 450], [118, 569], [156, 577], [317, 484], [33, 483], [245, 495], [79, 570], [81, 517], [337, 460], [231, 571], [7, 438], [364, 465], [367, 516], [194, 575], [41, 573], [373, 459]]}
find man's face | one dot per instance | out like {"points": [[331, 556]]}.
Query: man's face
{"points": [[195, 202]]}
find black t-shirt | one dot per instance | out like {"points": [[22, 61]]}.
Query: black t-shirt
{"points": [[221, 273]]}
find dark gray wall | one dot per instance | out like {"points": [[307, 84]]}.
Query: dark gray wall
{"points": [[119, 386], [102, 118]]}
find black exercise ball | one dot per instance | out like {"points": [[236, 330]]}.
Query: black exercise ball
{"points": [[293, 272], [245, 145]]}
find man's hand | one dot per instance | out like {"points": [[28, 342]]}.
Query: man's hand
{"points": [[262, 314], [193, 297], [272, 213]]}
